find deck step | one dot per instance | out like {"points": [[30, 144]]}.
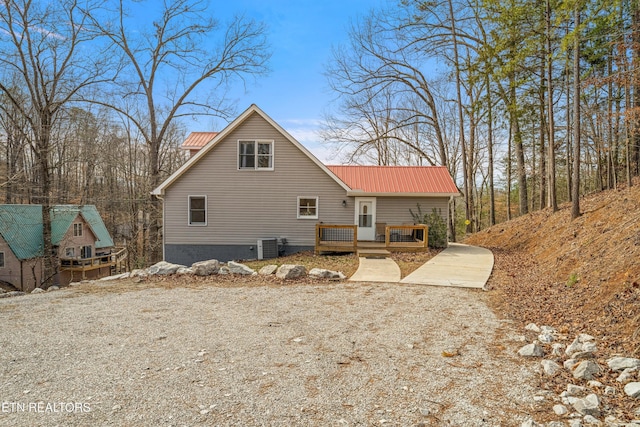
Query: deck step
{"points": [[373, 253]]}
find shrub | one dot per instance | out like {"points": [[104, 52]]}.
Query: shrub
{"points": [[437, 226]]}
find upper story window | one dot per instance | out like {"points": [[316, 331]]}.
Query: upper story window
{"points": [[197, 210], [77, 230], [256, 154]]}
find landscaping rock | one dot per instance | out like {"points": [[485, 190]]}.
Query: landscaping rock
{"points": [[590, 405], [586, 370], [550, 367], [205, 268], [632, 389], [11, 294], [290, 271], [115, 277], [560, 410], [532, 327], [224, 270], [53, 288], [37, 291], [557, 349], [268, 270], [184, 270], [622, 363], [163, 268], [569, 364], [627, 375], [588, 419], [321, 273], [237, 268], [575, 390], [546, 338], [574, 347]]}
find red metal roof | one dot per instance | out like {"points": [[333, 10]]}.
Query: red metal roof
{"points": [[397, 179], [197, 140]]}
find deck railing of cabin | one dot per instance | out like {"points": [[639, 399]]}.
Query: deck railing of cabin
{"points": [[336, 238], [344, 238]]}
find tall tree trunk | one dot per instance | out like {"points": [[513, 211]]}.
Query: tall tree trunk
{"points": [[575, 187], [551, 149], [543, 131], [492, 200], [635, 41], [467, 189]]}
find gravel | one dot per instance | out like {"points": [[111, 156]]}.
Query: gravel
{"points": [[327, 354]]}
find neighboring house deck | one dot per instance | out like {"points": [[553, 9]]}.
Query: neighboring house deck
{"points": [[253, 183], [82, 243]]}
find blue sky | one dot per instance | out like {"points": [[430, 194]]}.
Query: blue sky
{"points": [[301, 34]]}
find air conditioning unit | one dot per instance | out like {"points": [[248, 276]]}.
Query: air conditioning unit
{"points": [[267, 248]]}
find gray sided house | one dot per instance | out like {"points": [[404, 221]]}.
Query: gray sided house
{"points": [[254, 181]]}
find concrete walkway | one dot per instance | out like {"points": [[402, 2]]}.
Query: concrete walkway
{"points": [[377, 270], [458, 266]]}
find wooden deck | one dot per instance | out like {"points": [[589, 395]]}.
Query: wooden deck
{"points": [[114, 262], [396, 238]]}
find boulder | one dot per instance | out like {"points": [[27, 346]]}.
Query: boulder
{"points": [[37, 291], [632, 390], [184, 270], [622, 363], [237, 268], [268, 270], [163, 268], [224, 270], [531, 350], [53, 288], [205, 268], [585, 370], [321, 273], [290, 271], [590, 405]]}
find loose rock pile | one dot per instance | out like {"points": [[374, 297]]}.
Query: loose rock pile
{"points": [[213, 267], [587, 401]]}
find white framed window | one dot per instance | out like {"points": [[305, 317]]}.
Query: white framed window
{"points": [[70, 252], [1, 259], [307, 207], [255, 154], [77, 229], [198, 210]]}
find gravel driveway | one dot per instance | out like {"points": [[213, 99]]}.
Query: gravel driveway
{"points": [[299, 355]]}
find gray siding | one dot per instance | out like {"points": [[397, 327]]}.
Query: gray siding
{"points": [[395, 210], [245, 205]]}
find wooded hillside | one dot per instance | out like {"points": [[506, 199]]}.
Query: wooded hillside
{"points": [[578, 276]]}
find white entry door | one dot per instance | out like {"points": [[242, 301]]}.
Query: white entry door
{"points": [[366, 218]]}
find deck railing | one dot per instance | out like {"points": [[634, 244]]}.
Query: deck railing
{"points": [[344, 238], [113, 260]]}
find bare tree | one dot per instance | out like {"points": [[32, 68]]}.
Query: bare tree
{"points": [[45, 46], [204, 58]]}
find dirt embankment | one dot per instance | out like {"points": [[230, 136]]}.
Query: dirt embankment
{"points": [[579, 275]]}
